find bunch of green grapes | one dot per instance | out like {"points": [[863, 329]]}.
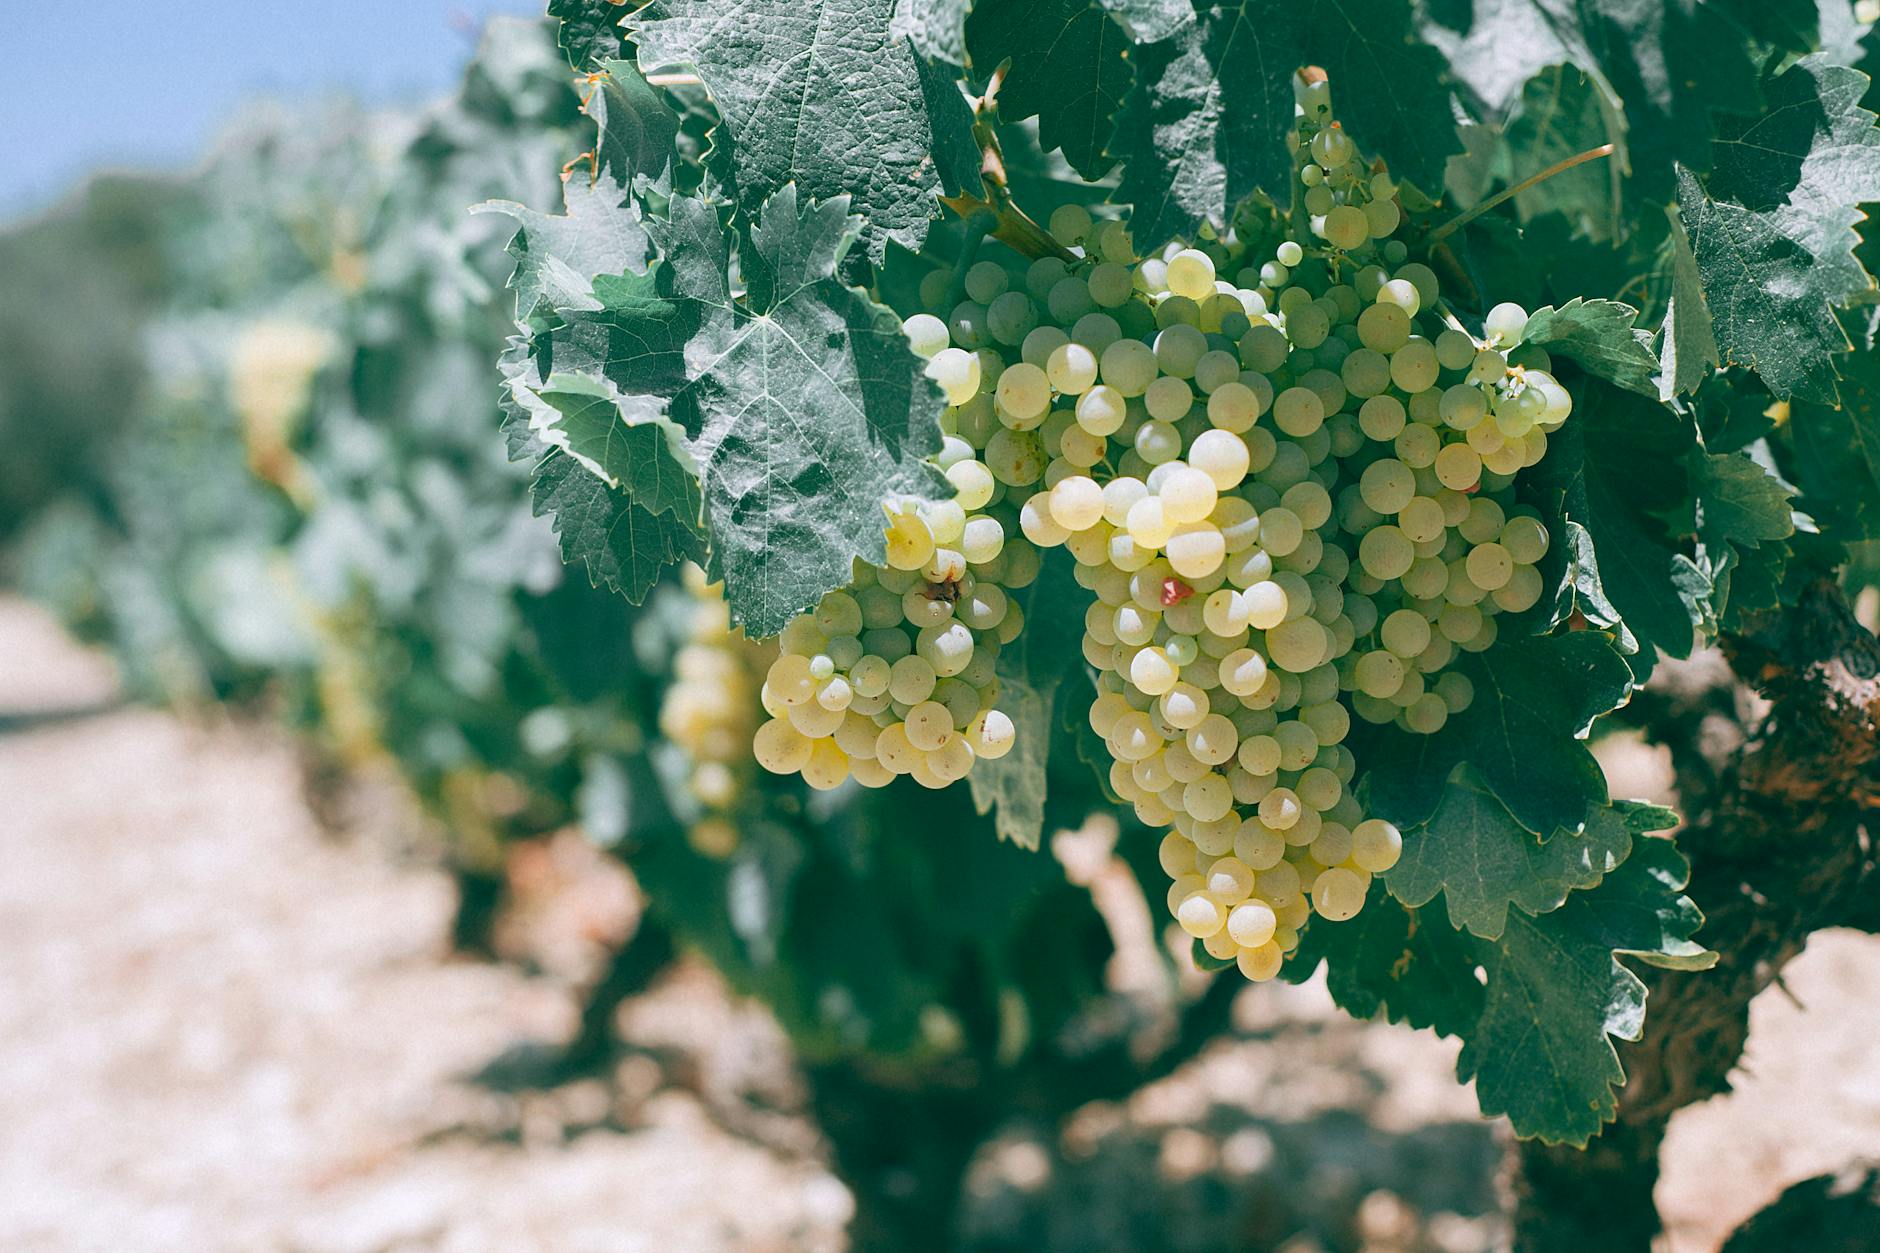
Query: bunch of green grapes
{"points": [[1285, 491], [710, 712]]}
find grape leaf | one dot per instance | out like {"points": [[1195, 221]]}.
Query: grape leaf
{"points": [[1402, 964], [1562, 112], [623, 545], [804, 408], [1667, 65], [1151, 20], [1599, 334], [1556, 990], [636, 128], [1481, 860], [1838, 451], [558, 256], [1534, 699], [1688, 341], [1068, 69], [1210, 116], [816, 92], [1741, 502], [936, 28], [1632, 453], [628, 441], [1773, 230], [1031, 671], [589, 30]]}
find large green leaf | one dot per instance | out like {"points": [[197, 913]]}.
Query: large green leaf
{"points": [[1069, 69], [1032, 670], [1599, 334], [803, 407], [1773, 229], [1688, 341], [1562, 112], [627, 440], [623, 545], [1210, 117], [1534, 700], [1557, 990], [558, 255], [821, 93], [1668, 66], [1838, 452], [1481, 861], [936, 28], [590, 29]]}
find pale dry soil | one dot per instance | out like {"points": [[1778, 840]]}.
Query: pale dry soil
{"points": [[221, 1028]]}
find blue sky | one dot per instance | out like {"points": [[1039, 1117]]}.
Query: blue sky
{"points": [[86, 84]]}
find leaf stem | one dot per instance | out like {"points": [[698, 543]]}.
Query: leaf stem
{"points": [[1559, 167], [1011, 224]]}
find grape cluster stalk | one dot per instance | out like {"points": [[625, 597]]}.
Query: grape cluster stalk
{"points": [[1290, 493]]}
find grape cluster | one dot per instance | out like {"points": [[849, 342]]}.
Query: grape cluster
{"points": [[709, 712], [1290, 493], [1284, 490]]}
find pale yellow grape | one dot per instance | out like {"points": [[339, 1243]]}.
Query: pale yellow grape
{"points": [[1381, 418], [1183, 706], [780, 748], [1213, 740], [1525, 538], [1148, 523], [1506, 324], [870, 675], [957, 372], [1188, 495], [1076, 503], [814, 719], [1220, 455], [1488, 367], [1070, 223], [1417, 445], [1251, 923], [928, 724], [1281, 531], [1207, 798], [1385, 552], [1405, 632], [945, 520], [991, 735], [1458, 467], [982, 540], [926, 334], [869, 773], [789, 679], [1387, 485], [1384, 328], [1200, 915], [1229, 879], [1456, 689], [1331, 846], [1298, 411], [1490, 566], [1379, 674], [1129, 366], [1280, 809], [1191, 273], [1297, 646], [1176, 855], [1338, 894], [1036, 521], [1071, 369], [1234, 407], [1242, 672], [1023, 392], [1152, 672], [827, 766], [1522, 590], [1421, 520], [1266, 603], [1459, 623], [1455, 350], [1261, 962], [1426, 714], [1413, 367], [1381, 217], [1102, 410], [1196, 549], [910, 543], [1376, 845], [1346, 227]]}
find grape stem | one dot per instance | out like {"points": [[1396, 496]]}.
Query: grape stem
{"points": [[1559, 167], [1008, 223]]}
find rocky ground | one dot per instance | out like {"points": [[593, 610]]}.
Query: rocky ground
{"points": [[222, 1028]]}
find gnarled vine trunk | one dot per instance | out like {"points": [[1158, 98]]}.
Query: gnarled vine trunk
{"points": [[1778, 850]]}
